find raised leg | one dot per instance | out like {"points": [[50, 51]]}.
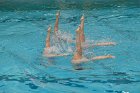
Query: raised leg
{"points": [[57, 21], [78, 53], [82, 36]]}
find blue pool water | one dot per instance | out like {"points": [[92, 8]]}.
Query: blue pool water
{"points": [[23, 26]]}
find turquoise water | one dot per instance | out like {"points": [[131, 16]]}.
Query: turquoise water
{"points": [[23, 26]]}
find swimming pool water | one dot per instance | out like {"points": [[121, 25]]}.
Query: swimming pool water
{"points": [[23, 69]]}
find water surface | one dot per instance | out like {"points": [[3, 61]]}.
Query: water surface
{"points": [[23, 26]]}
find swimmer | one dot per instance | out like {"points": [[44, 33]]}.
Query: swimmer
{"points": [[78, 57], [49, 50], [82, 36], [57, 22], [56, 28]]}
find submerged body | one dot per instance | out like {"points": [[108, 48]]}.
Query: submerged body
{"points": [[78, 57], [50, 51], [78, 53]]}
